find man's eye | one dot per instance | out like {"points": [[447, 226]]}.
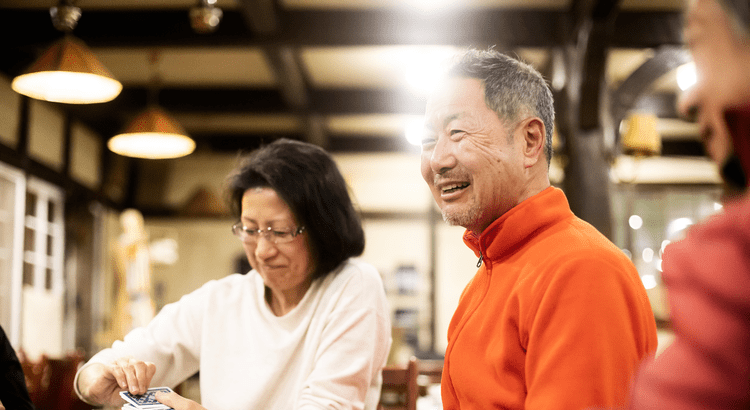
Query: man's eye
{"points": [[454, 132], [427, 141]]}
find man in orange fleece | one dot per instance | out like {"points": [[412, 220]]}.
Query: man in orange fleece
{"points": [[556, 317]]}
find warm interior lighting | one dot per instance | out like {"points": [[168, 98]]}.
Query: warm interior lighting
{"points": [[68, 72], [153, 135], [686, 76], [640, 135], [414, 130], [423, 67]]}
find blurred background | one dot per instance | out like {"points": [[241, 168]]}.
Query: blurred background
{"points": [[348, 75]]}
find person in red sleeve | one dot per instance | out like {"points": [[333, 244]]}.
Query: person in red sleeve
{"points": [[707, 274], [557, 316]]}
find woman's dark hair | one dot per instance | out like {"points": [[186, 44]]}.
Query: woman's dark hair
{"points": [[308, 180]]}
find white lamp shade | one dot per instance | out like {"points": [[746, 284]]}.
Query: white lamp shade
{"points": [[68, 72], [154, 135]]}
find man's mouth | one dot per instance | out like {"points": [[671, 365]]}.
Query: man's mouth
{"points": [[448, 189]]}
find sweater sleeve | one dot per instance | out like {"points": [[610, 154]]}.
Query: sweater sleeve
{"points": [[171, 341], [353, 348], [591, 328], [707, 276]]}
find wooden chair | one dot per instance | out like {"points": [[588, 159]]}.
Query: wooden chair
{"points": [[430, 373], [50, 381], [36, 373], [400, 389]]}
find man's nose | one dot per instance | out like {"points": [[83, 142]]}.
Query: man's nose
{"points": [[443, 158]]}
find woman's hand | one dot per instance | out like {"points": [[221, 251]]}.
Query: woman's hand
{"points": [[177, 402], [101, 384]]}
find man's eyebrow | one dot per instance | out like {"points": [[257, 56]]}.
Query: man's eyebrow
{"points": [[452, 117]]}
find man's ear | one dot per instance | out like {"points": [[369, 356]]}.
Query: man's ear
{"points": [[534, 135]]}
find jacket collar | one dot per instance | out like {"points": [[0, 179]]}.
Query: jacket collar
{"points": [[519, 224]]}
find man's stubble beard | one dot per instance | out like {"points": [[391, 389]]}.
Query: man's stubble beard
{"points": [[465, 217]]}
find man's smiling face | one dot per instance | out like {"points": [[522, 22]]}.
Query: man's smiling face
{"points": [[471, 160]]}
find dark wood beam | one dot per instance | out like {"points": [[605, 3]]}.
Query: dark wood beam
{"points": [[30, 31], [586, 180], [260, 15]]}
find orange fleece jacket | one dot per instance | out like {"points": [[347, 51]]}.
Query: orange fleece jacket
{"points": [[556, 317]]}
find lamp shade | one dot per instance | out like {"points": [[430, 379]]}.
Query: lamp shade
{"points": [[640, 136], [68, 72], [152, 134]]}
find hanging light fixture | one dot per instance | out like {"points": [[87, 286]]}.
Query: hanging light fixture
{"points": [[205, 17], [68, 72], [153, 134], [640, 136]]}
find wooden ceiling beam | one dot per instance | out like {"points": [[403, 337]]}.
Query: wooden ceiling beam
{"points": [[32, 29]]}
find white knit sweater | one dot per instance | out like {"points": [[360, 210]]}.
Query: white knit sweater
{"points": [[326, 353]]}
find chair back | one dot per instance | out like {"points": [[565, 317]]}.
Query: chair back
{"points": [[400, 390], [50, 381]]}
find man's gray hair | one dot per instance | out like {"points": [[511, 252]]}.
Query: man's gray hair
{"points": [[512, 88]]}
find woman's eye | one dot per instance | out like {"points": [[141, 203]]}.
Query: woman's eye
{"points": [[280, 234]]}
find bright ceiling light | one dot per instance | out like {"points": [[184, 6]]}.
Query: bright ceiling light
{"points": [[68, 72], [686, 76], [424, 66], [153, 135], [414, 130]]}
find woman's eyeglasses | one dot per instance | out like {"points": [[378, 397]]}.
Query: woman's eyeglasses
{"points": [[275, 235]]}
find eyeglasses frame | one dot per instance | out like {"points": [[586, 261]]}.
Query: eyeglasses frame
{"points": [[238, 229]]}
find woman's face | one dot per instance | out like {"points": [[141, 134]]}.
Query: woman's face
{"points": [[286, 268]]}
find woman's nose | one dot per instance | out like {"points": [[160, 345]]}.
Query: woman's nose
{"points": [[265, 248]]}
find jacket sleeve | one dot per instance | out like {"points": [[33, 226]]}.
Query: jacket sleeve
{"points": [[708, 364], [591, 327]]}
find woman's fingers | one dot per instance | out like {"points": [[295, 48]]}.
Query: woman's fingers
{"points": [[133, 375], [177, 402]]}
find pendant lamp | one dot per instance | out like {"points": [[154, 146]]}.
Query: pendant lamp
{"points": [[67, 72], [641, 137], [153, 134]]}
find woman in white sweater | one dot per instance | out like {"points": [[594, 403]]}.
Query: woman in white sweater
{"points": [[307, 328]]}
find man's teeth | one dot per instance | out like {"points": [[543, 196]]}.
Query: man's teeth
{"points": [[454, 187]]}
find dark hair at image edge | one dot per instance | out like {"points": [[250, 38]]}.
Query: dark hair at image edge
{"points": [[308, 180]]}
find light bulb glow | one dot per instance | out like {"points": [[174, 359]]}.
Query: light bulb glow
{"points": [[635, 222], [677, 226], [151, 145], [67, 87], [686, 76], [649, 281], [647, 255], [414, 131]]}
